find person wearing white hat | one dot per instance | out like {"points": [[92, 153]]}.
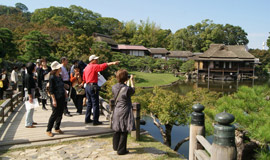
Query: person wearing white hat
{"points": [[90, 77], [58, 98]]}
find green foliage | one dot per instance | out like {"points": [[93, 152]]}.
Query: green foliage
{"points": [[198, 38], [74, 47], [268, 42], [7, 46], [250, 108], [188, 66], [21, 7], [37, 45], [150, 35]]}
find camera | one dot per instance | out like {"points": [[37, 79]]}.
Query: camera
{"points": [[129, 76]]}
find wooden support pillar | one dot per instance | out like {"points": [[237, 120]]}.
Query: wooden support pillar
{"points": [[223, 147], [137, 116], [112, 105], [9, 94], [196, 128]]}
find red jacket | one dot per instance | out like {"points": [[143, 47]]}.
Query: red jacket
{"points": [[90, 74]]}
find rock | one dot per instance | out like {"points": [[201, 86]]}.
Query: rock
{"points": [[16, 153], [57, 147], [30, 151], [94, 153]]}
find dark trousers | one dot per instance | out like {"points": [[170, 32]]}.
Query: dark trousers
{"points": [[92, 95], [120, 142], [77, 100], [44, 101], [1, 93], [65, 108], [56, 116]]}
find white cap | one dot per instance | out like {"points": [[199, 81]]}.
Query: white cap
{"points": [[55, 65], [92, 57]]}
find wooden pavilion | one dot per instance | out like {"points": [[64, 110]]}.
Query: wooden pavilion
{"points": [[226, 62]]}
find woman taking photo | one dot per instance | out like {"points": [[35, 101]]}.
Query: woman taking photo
{"points": [[77, 92], [43, 79], [31, 86], [58, 99], [123, 120]]}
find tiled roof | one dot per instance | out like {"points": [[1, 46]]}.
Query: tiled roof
{"points": [[130, 47], [158, 51], [180, 54]]}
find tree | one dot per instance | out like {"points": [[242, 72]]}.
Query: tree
{"points": [[268, 42], [251, 108], [149, 35], [198, 37], [36, 45], [74, 47], [80, 20], [21, 7], [188, 66], [7, 46]]}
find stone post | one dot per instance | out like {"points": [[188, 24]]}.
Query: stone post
{"points": [[223, 147], [112, 105], [196, 128], [136, 112]]}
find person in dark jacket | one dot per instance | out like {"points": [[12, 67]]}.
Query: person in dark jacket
{"points": [[30, 86], [123, 119], [58, 99], [43, 79], [5, 82]]}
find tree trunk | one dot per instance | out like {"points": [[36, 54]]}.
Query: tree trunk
{"points": [[179, 144], [168, 133]]}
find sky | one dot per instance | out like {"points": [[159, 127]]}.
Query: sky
{"points": [[250, 15]]}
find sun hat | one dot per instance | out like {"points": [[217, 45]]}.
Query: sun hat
{"points": [[92, 57], [55, 65]]}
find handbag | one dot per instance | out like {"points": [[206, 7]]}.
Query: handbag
{"points": [[79, 90], [1, 84]]}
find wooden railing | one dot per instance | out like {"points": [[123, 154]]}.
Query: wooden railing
{"points": [[10, 104], [108, 108], [223, 147]]}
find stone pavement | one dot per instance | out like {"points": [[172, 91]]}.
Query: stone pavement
{"points": [[94, 148], [13, 131]]}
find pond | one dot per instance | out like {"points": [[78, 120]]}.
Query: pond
{"points": [[183, 87]]}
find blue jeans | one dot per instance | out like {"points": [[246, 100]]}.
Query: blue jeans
{"points": [[92, 95]]}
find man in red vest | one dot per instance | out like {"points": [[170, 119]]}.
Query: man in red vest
{"points": [[90, 77]]}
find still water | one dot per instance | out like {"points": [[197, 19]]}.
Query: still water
{"points": [[183, 87]]}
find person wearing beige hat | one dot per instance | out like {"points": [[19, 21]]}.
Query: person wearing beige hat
{"points": [[58, 99], [90, 77]]}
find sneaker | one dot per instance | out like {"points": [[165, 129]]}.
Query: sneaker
{"points": [[44, 108], [59, 131], [30, 126], [50, 134], [97, 123]]}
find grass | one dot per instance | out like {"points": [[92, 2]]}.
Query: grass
{"points": [[153, 79], [2, 101]]}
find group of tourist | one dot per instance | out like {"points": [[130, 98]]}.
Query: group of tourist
{"points": [[56, 82]]}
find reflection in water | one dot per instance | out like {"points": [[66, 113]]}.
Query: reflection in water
{"points": [[183, 87], [226, 87]]}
